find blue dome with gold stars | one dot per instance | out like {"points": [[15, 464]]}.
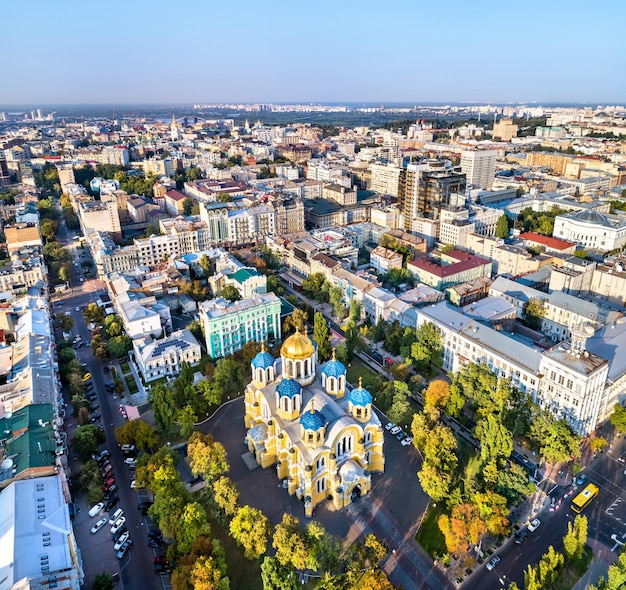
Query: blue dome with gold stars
{"points": [[289, 387], [334, 368], [359, 396], [263, 360], [313, 420]]}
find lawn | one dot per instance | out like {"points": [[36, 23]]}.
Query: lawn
{"points": [[429, 536], [132, 386], [242, 573], [359, 369], [125, 368], [573, 571]]}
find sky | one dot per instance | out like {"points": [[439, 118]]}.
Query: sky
{"points": [[246, 51]]}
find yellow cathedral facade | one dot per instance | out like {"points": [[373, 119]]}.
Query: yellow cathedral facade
{"points": [[324, 439]]}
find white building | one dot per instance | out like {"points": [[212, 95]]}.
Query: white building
{"points": [[37, 544], [158, 358], [384, 259], [480, 167], [592, 230]]}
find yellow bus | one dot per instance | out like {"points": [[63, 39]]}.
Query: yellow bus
{"points": [[580, 502]]}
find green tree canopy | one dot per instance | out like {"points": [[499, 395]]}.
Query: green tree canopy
{"points": [[251, 529], [231, 293], [321, 335], [502, 227]]}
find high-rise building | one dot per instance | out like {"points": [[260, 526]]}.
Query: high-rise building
{"points": [[426, 187], [505, 130], [479, 166]]}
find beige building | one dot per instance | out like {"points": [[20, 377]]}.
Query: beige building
{"points": [[384, 259], [102, 216], [339, 194], [505, 129], [479, 166], [557, 163], [21, 235], [385, 179], [289, 216]]}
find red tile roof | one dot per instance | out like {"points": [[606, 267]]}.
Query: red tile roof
{"points": [[176, 195], [546, 241], [465, 261]]}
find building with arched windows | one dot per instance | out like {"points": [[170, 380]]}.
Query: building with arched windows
{"points": [[323, 438]]}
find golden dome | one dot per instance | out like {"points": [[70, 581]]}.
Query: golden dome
{"points": [[297, 347]]}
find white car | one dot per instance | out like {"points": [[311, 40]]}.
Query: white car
{"points": [[95, 510], [407, 441], [129, 461], [534, 525], [493, 562], [96, 527], [389, 426], [118, 524], [133, 484], [117, 514], [121, 541], [396, 429]]}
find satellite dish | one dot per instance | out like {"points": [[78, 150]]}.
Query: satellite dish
{"points": [[8, 415], [7, 464], [589, 331], [619, 268]]}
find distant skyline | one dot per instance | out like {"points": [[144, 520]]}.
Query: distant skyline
{"points": [[159, 52]]}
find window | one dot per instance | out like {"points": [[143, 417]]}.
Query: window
{"points": [[570, 384], [561, 379]]}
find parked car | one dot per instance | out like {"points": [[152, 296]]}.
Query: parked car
{"points": [[106, 469], [534, 525], [112, 489], [401, 435], [389, 425], [116, 536], [395, 430], [121, 541], [119, 512], [520, 536], [156, 534], [155, 543], [111, 502], [118, 524], [130, 462], [133, 484], [160, 569], [95, 510], [124, 549], [493, 562], [96, 527], [128, 449], [109, 482], [94, 418], [86, 376], [105, 369], [407, 441]]}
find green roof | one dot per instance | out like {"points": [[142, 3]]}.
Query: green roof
{"points": [[36, 446], [285, 307], [244, 274]]}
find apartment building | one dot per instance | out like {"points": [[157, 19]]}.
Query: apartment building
{"points": [[592, 230], [384, 259], [101, 216], [450, 268], [228, 326], [479, 167]]}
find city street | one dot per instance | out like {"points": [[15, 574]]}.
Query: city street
{"points": [[606, 516], [97, 550]]}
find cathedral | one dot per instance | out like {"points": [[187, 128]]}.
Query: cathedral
{"points": [[324, 439]]}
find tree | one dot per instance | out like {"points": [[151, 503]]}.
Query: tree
{"points": [[534, 312], [618, 418], [163, 408], [296, 321], [576, 538], [187, 419], [277, 577], [335, 297], [437, 393], [119, 345], [138, 433], [193, 524], [103, 581], [226, 495], [495, 439], [616, 577], [251, 529], [502, 227], [598, 443], [290, 543], [400, 411], [206, 456], [558, 442], [66, 322], [205, 575], [113, 326], [86, 440], [434, 482], [93, 314], [321, 336], [187, 206], [49, 229], [462, 527], [315, 286], [428, 346], [231, 293], [353, 340]]}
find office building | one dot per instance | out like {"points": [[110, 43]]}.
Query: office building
{"points": [[479, 166]]}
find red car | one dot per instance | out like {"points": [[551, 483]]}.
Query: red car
{"points": [[110, 481], [107, 486]]}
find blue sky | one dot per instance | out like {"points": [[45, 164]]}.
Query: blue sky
{"points": [[343, 50]]}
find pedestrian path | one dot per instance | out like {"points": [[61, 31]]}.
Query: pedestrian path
{"points": [[407, 565]]}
